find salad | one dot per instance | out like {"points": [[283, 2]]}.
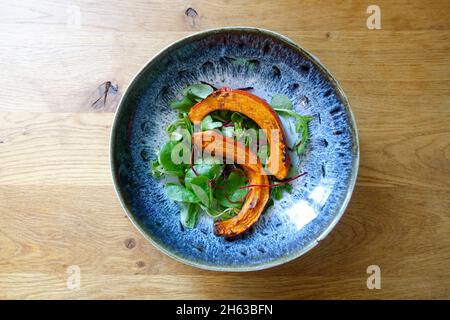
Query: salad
{"points": [[227, 155]]}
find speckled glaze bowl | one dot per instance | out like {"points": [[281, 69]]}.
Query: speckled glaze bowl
{"points": [[293, 225]]}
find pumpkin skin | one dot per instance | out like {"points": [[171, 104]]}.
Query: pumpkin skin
{"points": [[260, 112], [257, 197]]}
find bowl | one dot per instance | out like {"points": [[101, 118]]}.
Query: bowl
{"points": [[271, 64]]}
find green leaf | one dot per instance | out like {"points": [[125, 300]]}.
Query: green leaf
{"points": [[293, 171], [240, 132], [277, 192], [182, 122], [237, 119], [228, 213], [166, 161], [157, 171], [202, 189], [183, 104], [228, 131], [189, 214], [301, 127], [263, 153], [288, 188], [211, 171], [302, 121], [188, 124], [286, 112], [229, 187], [281, 101], [208, 123], [220, 214], [174, 125], [197, 92], [301, 146], [177, 192], [176, 136]]}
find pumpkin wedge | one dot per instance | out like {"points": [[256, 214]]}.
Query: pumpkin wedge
{"points": [[260, 112], [256, 198]]}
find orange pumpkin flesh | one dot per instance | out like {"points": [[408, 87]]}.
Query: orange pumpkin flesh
{"points": [[256, 198], [256, 109]]}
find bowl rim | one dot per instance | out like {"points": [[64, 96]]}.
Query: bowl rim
{"points": [[336, 86]]}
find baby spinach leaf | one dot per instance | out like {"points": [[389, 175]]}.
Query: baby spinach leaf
{"points": [[286, 112], [302, 121], [277, 191], [228, 213], [220, 213], [177, 192], [240, 125], [182, 122], [281, 101], [157, 170], [202, 189], [197, 92], [211, 171], [176, 136], [174, 125], [237, 119], [228, 131], [229, 189], [263, 153], [288, 188], [166, 160], [301, 127], [293, 171], [189, 214], [208, 123], [184, 104]]}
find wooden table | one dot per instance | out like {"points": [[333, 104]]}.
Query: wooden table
{"points": [[57, 203]]}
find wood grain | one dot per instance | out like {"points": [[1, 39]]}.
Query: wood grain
{"points": [[57, 203]]}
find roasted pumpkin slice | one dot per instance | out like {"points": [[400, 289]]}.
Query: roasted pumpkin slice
{"points": [[260, 112], [257, 196]]}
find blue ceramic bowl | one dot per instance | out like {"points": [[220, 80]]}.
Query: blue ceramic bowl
{"points": [[293, 225]]}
